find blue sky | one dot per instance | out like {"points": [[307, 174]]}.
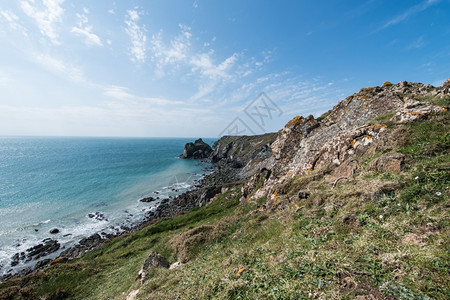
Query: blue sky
{"points": [[192, 68]]}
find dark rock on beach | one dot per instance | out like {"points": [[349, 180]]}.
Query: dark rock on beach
{"points": [[98, 216], [197, 150], [54, 231], [148, 199], [83, 245], [47, 247], [42, 264]]}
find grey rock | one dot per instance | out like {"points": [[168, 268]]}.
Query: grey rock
{"points": [[154, 260]]}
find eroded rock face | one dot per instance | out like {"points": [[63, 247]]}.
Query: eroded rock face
{"points": [[197, 150], [343, 134]]}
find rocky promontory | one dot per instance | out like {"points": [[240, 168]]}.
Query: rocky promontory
{"points": [[196, 150]]}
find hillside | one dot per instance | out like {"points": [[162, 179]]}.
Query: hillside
{"points": [[351, 205]]}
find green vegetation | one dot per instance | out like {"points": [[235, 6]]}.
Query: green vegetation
{"points": [[362, 239], [444, 101]]}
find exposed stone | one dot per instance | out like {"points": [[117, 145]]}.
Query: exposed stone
{"points": [[446, 87], [54, 231], [154, 260], [98, 216], [175, 265], [197, 150], [416, 110], [346, 169], [42, 263], [390, 162], [148, 199]]}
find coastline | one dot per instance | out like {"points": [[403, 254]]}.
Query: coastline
{"points": [[52, 249]]}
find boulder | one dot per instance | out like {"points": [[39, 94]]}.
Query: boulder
{"points": [[197, 150], [154, 260], [390, 162], [54, 231], [148, 199], [346, 169]]}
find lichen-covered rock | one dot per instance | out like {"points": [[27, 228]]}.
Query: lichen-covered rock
{"points": [[416, 110], [343, 134], [389, 162]]}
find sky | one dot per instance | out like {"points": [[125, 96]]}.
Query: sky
{"points": [[205, 68]]}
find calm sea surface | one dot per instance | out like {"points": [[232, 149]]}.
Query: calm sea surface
{"points": [[48, 182]]}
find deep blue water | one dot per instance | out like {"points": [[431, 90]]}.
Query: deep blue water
{"points": [[48, 182]]}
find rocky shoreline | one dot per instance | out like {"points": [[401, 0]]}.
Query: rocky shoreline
{"points": [[226, 168]]}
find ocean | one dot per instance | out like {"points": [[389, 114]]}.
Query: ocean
{"points": [[56, 182]]}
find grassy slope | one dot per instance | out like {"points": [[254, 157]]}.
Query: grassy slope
{"points": [[341, 248]]}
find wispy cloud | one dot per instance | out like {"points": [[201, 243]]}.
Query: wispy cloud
{"points": [[122, 93], [85, 30], [47, 16], [137, 36], [417, 43], [56, 65], [13, 21], [409, 12], [173, 53]]}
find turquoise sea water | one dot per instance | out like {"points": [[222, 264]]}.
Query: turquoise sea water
{"points": [[48, 182]]}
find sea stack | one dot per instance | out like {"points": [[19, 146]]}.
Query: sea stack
{"points": [[197, 150]]}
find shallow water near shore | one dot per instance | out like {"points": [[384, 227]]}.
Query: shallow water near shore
{"points": [[50, 182]]}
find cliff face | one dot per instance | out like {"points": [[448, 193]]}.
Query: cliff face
{"points": [[356, 126]]}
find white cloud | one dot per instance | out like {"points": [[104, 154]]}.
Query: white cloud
{"points": [[409, 12], [111, 11], [85, 30], [46, 18], [13, 21], [176, 52], [195, 4], [137, 36]]}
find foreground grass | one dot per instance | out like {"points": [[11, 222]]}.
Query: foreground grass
{"points": [[360, 241]]}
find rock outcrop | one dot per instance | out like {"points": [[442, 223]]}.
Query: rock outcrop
{"points": [[154, 260], [356, 126], [197, 150]]}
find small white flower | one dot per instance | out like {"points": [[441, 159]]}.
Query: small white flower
{"points": [[398, 204], [380, 216], [438, 193], [417, 178], [309, 294]]}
